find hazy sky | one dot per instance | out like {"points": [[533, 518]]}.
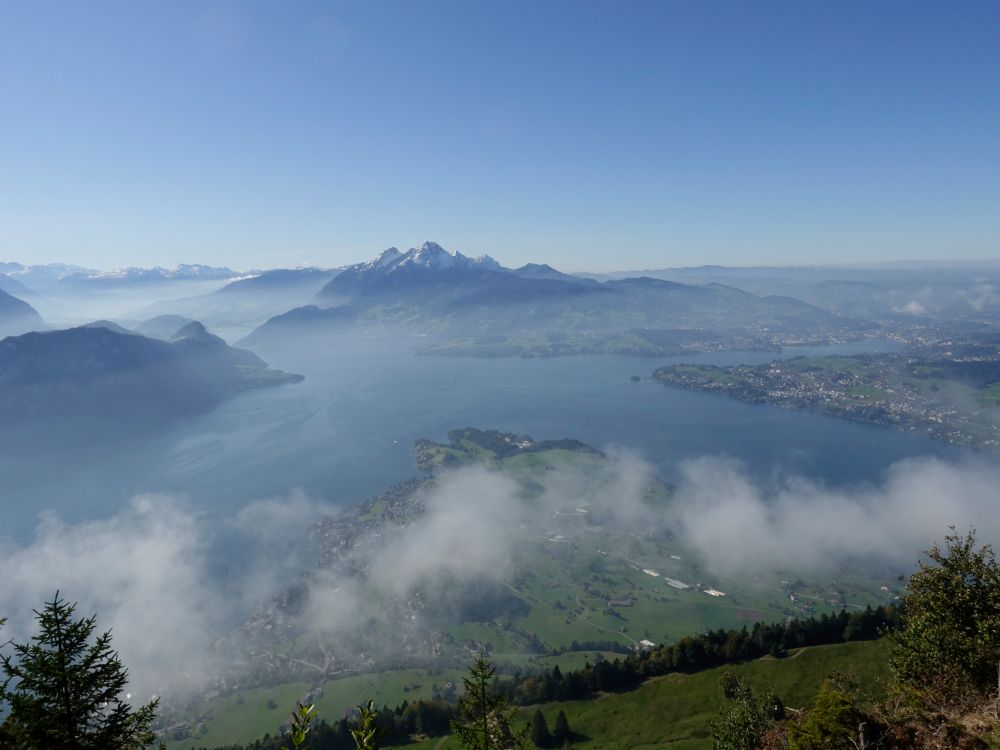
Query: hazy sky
{"points": [[591, 135]]}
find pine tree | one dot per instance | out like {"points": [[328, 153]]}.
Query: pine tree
{"points": [[540, 734], [64, 691], [7, 731], [561, 733], [485, 719]]}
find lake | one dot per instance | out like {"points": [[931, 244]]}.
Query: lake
{"points": [[345, 433]]}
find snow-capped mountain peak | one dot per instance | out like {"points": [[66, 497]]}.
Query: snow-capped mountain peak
{"points": [[387, 258], [430, 255], [393, 270], [158, 273], [201, 271]]}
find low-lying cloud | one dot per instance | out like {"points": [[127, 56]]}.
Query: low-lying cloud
{"points": [[142, 571], [913, 307], [735, 523], [169, 581], [467, 531], [162, 577]]}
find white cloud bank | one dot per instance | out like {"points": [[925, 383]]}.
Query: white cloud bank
{"points": [[152, 571], [734, 522]]}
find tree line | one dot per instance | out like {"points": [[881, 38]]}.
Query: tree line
{"points": [[695, 653]]}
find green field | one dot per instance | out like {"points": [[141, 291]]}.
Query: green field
{"points": [[854, 365], [247, 715]]}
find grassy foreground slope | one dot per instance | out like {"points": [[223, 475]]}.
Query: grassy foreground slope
{"points": [[245, 716], [675, 711]]}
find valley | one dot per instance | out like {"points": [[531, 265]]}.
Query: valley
{"points": [[587, 562]]}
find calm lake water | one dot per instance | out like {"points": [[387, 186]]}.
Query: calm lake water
{"points": [[345, 433]]}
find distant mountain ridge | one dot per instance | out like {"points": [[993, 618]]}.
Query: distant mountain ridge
{"points": [[162, 326], [40, 275], [430, 292], [545, 271], [279, 279], [896, 292], [183, 272], [246, 301], [14, 287], [17, 316], [443, 296]]}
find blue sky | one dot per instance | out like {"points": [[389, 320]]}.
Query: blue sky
{"points": [[590, 135]]}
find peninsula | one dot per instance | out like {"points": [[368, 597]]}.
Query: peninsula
{"points": [[950, 391]]}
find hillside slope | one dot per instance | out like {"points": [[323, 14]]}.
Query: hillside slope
{"points": [[17, 316], [674, 711], [90, 382]]}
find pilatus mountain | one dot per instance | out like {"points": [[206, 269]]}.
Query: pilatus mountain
{"points": [[476, 304]]}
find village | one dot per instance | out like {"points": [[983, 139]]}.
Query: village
{"points": [[939, 394]]}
